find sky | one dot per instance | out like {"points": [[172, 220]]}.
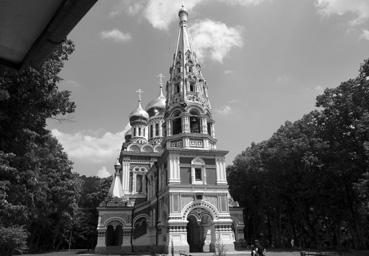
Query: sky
{"points": [[265, 61]]}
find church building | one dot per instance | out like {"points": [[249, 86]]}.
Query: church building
{"points": [[169, 190]]}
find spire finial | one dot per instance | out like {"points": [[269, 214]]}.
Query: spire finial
{"points": [[183, 14], [161, 82], [139, 91]]}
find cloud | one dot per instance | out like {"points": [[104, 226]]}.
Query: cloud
{"points": [[116, 35], [283, 79], [365, 34], [228, 72], [358, 8], [319, 89], [160, 13], [92, 147], [131, 7], [214, 39], [224, 110], [103, 172]]}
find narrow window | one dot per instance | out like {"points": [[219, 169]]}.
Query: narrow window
{"points": [[192, 88], [178, 88], [130, 181], [139, 131], [198, 176], [134, 132], [144, 131], [195, 124], [177, 126], [139, 183], [209, 129], [151, 131], [156, 129]]}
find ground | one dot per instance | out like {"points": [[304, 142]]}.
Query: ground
{"points": [[269, 253]]}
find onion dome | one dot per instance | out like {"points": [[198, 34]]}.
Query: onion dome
{"points": [[157, 106], [139, 114]]}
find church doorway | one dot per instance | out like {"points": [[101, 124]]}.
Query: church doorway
{"points": [[200, 231], [114, 235]]}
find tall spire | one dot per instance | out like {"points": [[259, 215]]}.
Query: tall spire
{"points": [[183, 44], [186, 83]]}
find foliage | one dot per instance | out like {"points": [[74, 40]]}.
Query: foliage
{"points": [[12, 240], [309, 181], [38, 191]]}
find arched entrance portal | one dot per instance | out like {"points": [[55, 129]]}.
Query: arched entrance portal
{"points": [[200, 231], [114, 234]]}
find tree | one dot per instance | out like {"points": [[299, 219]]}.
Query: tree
{"points": [[309, 181], [36, 177]]}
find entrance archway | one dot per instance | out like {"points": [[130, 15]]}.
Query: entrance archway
{"points": [[114, 235], [200, 231]]}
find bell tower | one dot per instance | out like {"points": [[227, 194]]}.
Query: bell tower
{"points": [[188, 113]]}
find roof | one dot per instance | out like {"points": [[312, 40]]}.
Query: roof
{"points": [[30, 30]]}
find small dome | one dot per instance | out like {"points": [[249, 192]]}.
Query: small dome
{"points": [[138, 113], [156, 104]]}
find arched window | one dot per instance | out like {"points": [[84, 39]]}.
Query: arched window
{"points": [[194, 122], [178, 88], [134, 132], [177, 124], [151, 131], [139, 131]]}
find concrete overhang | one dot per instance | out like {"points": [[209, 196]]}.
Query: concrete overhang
{"points": [[31, 29]]}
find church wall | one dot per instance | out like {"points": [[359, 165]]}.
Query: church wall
{"points": [[185, 175], [211, 176]]}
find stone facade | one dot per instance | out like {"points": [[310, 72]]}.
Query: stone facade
{"points": [[170, 188]]}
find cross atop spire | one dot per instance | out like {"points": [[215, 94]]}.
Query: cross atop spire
{"points": [[161, 82], [139, 91]]}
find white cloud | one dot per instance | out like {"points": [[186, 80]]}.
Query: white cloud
{"points": [[243, 2], [131, 7], [116, 35], [214, 39], [229, 72], [224, 110], [319, 89], [103, 172], [283, 79], [365, 34], [93, 148], [358, 8], [160, 13]]}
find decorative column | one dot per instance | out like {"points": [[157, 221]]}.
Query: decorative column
{"points": [[134, 183], [125, 176], [221, 170], [212, 128], [186, 124], [204, 125], [101, 232], [126, 243], [169, 127]]}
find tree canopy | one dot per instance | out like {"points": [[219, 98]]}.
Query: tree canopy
{"points": [[309, 181]]}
